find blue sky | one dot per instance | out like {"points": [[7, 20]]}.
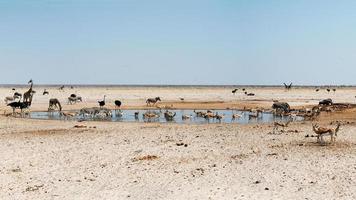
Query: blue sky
{"points": [[178, 42]]}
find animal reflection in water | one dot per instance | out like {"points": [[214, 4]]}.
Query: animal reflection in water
{"points": [[209, 115], [155, 115], [151, 116], [95, 112]]}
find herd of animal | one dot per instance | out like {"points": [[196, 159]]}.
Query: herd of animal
{"points": [[24, 101]]}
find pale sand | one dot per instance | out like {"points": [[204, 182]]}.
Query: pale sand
{"points": [[52, 160]]}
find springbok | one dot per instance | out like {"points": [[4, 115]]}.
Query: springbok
{"points": [[324, 131], [280, 124]]}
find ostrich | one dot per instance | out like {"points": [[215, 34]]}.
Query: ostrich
{"points": [[234, 91], [317, 90], [152, 101], [118, 103], [102, 103], [136, 115], [53, 104], [328, 90], [45, 92], [27, 96], [18, 104], [334, 90]]}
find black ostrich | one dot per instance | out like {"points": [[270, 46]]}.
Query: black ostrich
{"points": [[334, 90], [328, 90], [102, 103], [317, 90], [118, 103], [45, 92], [20, 105], [234, 91]]}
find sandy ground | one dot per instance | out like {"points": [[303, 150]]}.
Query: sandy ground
{"points": [[53, 160]]}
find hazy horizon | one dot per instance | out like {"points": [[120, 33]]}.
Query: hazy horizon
{"points": [[203, 42]]}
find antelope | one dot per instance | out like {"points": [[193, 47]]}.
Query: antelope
{"points": [[235, 116], [219, 117], [209, 115], [324, 131], [199, 113], [280, 124], [67, 115]]}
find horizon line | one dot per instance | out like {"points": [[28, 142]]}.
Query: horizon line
{"points": [[173, 85]]}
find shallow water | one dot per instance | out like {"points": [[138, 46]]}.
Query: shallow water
{"points": [[129, 116]]}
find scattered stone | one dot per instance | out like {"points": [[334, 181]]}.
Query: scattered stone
{"points": [[147, 157], [257, 182], [33, 188], [239, 156], [80, 126], [17, 169], [138, 151]]}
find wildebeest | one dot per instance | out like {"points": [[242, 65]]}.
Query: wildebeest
{"points": [[327, 102], [281, 106], [74, 99]]}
